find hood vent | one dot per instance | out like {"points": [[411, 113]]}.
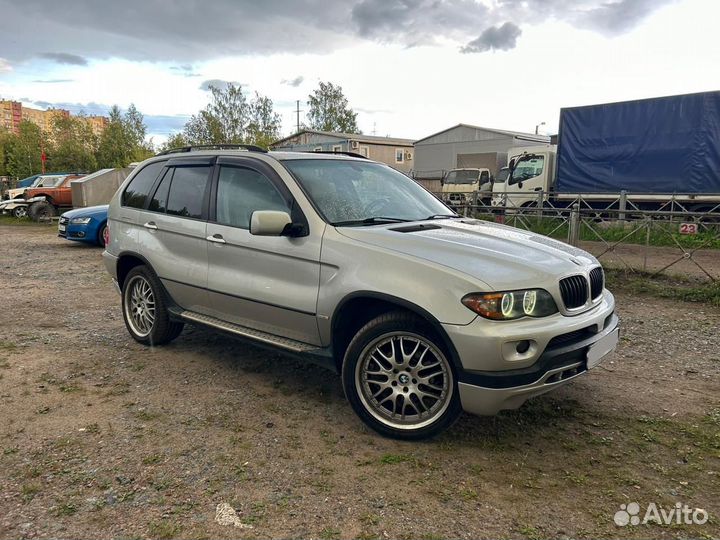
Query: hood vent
{"points": [[417, 227]]}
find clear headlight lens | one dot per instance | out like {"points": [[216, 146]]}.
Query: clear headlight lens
{"points": [[80, 220], [503, 306]]}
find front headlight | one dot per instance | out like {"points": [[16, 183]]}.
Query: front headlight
{"points": [[80, 220], [504, 306]]}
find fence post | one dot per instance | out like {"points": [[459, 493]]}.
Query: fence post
{"points": [[648, 224], [623, 206], [540, 201], [475, 204], [574, 231]]}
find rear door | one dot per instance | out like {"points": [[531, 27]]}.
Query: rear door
{"points": [[265, 282], [172, 230]]}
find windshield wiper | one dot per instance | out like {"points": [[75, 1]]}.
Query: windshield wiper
{"points": [[443, 216], [370, 221]]}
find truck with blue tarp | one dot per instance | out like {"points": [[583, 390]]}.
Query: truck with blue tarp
{"points": [[649, 150]]}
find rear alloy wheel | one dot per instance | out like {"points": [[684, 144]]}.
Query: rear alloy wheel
{"points": [[145, 310], [398, 378]]}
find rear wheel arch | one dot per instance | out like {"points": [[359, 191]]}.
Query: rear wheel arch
{"points": [[126, 262], [359, 308]]}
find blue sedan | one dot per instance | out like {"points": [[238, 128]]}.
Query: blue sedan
{"points": [[85, 225]]}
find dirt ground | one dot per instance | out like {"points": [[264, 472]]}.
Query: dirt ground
{"points": [[102, 437]]}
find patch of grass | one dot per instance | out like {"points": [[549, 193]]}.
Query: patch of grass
{"points": [[637, 282], [392, 459], [8, 346], [146, 416], [329, 533], [65, 509], [164, 529], [528, 531], [28, 492], [152, 459], [25, 221]]}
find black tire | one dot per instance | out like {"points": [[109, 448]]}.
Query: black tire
{"points": [[161, 329], [381, 335], [101, 235], [19, 212], [41, 210]]}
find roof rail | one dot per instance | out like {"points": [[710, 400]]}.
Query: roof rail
{"points": [[351, 154], [223, 146]]}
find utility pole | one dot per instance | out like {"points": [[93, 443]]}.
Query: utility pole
{"points": [[297, 112], [374, 131]]}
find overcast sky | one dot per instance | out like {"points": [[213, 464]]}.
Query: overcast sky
{"points": [[408, 67]]}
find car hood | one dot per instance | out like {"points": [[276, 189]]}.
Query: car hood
{"points": [[90, 211], [503, 257]]}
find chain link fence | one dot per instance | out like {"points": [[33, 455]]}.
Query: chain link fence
{"points": [[679, 238]]}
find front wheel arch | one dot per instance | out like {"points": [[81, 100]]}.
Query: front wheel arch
{"points": [[358, 308]]}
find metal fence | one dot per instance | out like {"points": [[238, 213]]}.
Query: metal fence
{"points": [[679, 238]]}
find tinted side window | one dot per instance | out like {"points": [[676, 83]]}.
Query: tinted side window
{"points": [[187, 191], [159, 201], [138, 190], [243, 191]]}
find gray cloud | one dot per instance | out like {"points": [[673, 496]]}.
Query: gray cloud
{"points": [[186, 70], [297, 81], [217, 83], [501, 38], [65, 58], [173, 30], [52, 81]]}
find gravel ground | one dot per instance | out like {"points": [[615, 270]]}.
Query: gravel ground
{"points": [[209, 437]]}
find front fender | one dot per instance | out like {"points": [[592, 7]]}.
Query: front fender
{"points": [[36, 199]]}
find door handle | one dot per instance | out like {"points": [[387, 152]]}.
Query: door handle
{"points": [[216, 238], [151, 225]]}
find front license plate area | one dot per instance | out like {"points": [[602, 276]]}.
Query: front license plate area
{"points": [[602, 348]]}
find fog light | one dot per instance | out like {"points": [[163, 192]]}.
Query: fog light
{"points": [[81, 234], [523, 346]]}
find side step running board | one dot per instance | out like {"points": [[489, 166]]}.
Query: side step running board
{"points": [[245, 332]]}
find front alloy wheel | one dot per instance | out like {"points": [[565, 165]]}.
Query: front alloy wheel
{"points": [[399, 379], [404, 380]]}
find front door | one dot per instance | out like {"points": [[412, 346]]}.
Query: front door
{"points": [[269, 283]]}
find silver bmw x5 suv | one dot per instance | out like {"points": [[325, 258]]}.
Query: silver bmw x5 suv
{"points": [[346, 262]]}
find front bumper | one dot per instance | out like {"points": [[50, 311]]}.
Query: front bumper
{"points": [[494, 376]]}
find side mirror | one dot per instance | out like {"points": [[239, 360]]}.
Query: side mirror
{"points": [[269, 222]]}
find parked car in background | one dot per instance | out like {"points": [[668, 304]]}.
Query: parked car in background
{"points": [[85, 225], [47, 198]]}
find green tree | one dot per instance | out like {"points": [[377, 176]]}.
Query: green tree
{"points": [[224, 120], [123, 140], [329, 110], [175, 140], [74, 145], [230, 118], [264, 125], [23, 151]]}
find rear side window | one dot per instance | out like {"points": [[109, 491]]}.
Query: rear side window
{"points": [[159, 201], [137, 192], [187, 191]]}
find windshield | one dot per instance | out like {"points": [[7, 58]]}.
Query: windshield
{"points": [[462, 177], [529, 168], [502, 175], [348, 192], [49, 181]]}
